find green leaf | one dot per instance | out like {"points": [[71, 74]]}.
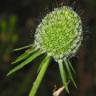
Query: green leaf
{"points": [[27, 61], [63, 75], [40, 76], [24, 55], [24, 47], [69, 72]]}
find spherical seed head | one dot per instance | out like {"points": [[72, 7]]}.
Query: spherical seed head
{"points": [[59, 33]]}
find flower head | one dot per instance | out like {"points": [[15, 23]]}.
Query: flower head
{"points": [[59, 35]]}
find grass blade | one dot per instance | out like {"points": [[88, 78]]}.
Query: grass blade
{"points": [[63, 75], [40, 76], [27, 61], [69, 72]]}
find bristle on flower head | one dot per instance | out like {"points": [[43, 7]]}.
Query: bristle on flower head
{"points": [[60, 33]]}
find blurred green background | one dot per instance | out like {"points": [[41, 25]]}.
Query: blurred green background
{"points": [[18, 22]]}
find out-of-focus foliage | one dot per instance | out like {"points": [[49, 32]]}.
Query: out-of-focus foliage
{"points": [[8, 37]]}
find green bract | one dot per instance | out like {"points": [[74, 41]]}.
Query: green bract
{"points": [[59, 35]]}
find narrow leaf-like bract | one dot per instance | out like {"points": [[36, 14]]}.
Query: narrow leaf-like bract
{"points": [[63, 75], [40, 76], [69, 72], [24, 47], [27, 61], [24, 55]]}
